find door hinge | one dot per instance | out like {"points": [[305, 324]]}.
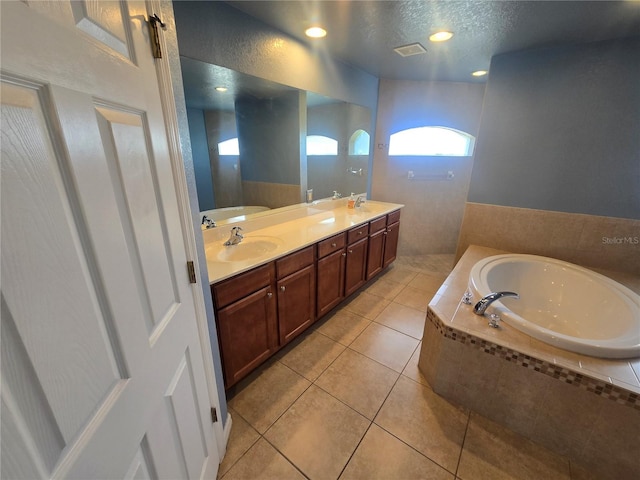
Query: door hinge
{"points": [[214, 415], [154, 36], [192, 271]]}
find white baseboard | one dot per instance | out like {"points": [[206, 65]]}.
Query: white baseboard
{"points": [[227, 431]]}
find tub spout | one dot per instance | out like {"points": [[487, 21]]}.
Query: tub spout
{"points": [[487, 300]]}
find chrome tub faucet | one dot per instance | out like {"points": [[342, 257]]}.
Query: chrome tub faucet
{"points": [[487, 300], [207, 222]]}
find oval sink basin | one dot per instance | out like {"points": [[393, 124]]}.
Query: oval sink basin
{"points": [[249, 248]]}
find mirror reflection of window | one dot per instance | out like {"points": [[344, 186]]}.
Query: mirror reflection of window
{"points": [[432, 141], [229, 147], [359, 143], [321, 145]]}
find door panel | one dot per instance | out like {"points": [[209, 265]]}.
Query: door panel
{"points": [[356, 266], [296, 303], [105, 22], [376, 253], [41, 248], [139, 469], [125, 137], [102, 369], [183, 400], [248, 333], [330, 283]]}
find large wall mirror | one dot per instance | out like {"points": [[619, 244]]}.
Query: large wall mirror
{"points": [[261, 144]]}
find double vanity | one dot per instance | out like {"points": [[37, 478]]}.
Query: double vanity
{"points": [[289, 270]]}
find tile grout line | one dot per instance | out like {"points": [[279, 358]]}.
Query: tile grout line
{"points": [[401, 440], [286, 458], [464, 439]]}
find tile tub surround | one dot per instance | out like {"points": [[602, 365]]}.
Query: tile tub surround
{"points": [[588, 240], [297, 227], [517, 381]]}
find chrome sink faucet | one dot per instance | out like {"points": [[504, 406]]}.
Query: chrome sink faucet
{"points": [[235, 237], [487, 300], [336, 195], [359, 201], [207, 222]]}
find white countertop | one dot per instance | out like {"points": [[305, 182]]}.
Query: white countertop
{"points": [[291, 231]]}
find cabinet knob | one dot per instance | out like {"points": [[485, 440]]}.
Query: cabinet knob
{"points": [[350, 251], [269, 294], [344, 254], [384, 233], [333, 244], [389, 229], [360, 232], [282, 288]]}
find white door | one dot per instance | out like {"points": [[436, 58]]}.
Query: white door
{"points": [[103, 373]]}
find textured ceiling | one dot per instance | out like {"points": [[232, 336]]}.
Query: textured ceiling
{"points": [[364, 33]]}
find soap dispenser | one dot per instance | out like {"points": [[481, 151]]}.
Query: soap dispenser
{"points": [[352, 201]]}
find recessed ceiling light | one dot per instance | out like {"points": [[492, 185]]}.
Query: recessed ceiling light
{"points": [[221, 89], [479, 73], [315, 32], [441, 36]]}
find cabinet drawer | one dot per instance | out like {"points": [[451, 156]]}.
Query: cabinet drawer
{"points": [[393, 217], [294, 262], [235, 288], [331, 244], [377, 224], [357, 233]]}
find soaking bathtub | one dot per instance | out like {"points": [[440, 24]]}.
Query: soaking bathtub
{"points": [[562, 304]]}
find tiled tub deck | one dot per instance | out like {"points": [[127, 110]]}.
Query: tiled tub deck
{"points": [[583, 407]]}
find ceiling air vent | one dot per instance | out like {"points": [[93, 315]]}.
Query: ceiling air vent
{"points": [[409, 50]]}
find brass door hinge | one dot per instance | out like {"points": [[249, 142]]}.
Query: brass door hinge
{"points": [[214, 415], [192, 272], [154, 21]]}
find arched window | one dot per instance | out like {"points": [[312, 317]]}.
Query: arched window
{"points": [[359, 143], [432, 141], [321, 145], [229, 147]]}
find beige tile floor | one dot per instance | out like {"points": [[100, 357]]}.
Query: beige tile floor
{"points": [[347, 401]]}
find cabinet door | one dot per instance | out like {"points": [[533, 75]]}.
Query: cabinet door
{"points": [[376, 253], [356, 266], [330, 281], [296, 303], [391, 243], [248, 334]]}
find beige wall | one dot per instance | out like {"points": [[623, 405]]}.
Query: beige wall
{"points": [[433, 205], [593, 241]]}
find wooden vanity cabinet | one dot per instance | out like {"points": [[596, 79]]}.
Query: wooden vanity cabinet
{"points": [[296, 288], [356, 259], [261, 310], [247, 321], [391, 238], [331, 267], [383, 242], [375, 256]]}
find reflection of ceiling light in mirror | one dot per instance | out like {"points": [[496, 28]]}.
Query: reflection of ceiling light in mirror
{"points": [[221, 89], [479, 73], [315, 32], [440, 36]]}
